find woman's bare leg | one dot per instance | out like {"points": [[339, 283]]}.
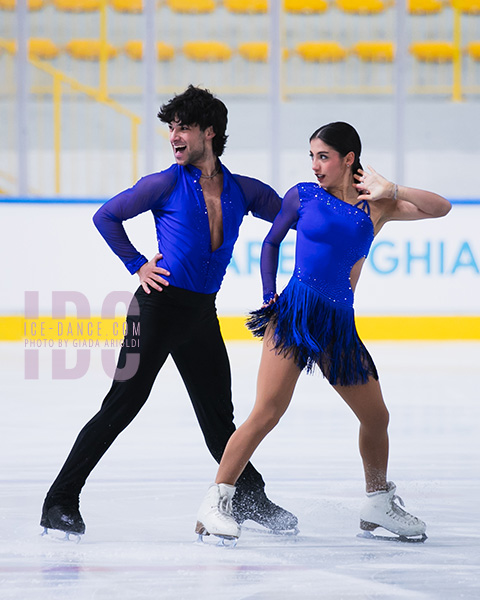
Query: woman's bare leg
{"points": [[367, 403], [277, 377]]}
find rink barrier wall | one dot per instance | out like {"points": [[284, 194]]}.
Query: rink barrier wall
{"points": [[451, 325], [47, 330]]}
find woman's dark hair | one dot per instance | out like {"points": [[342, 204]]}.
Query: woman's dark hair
{"points": [[343, 138], [198, 107]]}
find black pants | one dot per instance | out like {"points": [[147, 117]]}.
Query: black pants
{"points": [[185, 325]]}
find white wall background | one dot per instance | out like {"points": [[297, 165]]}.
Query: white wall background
{"points": [[425, 267]]}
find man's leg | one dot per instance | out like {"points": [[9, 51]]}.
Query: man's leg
{"points": [[122, 403], [205, 369]]}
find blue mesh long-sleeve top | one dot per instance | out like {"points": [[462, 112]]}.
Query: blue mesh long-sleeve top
{"points": [[313, 318], [175, 198]]}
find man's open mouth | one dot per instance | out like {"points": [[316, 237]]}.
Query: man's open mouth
{"points": [[179, 149]]}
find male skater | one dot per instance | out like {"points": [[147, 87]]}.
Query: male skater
{"points": [[198, 206]]}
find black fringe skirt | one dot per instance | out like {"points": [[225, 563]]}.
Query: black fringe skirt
{"points": [[315, 331]]}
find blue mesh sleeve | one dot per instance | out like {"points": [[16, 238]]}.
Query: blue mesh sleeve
{"points": [[261, 200], [149, 193], [286, 218]]}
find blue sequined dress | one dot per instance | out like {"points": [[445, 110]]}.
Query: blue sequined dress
{"points": [[314, 317]]}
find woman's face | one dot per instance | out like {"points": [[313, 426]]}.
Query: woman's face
{"points": [[328, 165]]}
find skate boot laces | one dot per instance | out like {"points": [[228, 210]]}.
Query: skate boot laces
{"points": [[225, 506], [221, 506], [398, 513]]}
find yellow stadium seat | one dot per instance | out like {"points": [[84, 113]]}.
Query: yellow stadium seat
{"points": [[165, 51], [433, 51], [77, 6], [191, 6], [37, 48], [425, 7], [42, 48], [374, 51], [361, 7], [473, 50], [321, 51], [257, 51], [246, 6], [306, 6], [127, 6], [85, 49], [254, 51], [134, 50], [9, 46], [207, 51], [32, 5], [469, 7]]}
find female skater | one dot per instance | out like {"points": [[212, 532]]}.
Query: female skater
{"points": [[312, 321]]}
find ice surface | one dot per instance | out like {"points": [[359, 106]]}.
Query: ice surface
{"points": [[140, 502]]}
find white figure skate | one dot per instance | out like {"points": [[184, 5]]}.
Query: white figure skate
{"points": [[215, 514], [381, 510]]}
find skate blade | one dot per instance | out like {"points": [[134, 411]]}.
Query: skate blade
{"points": [[224, 541], [368, 535], [227, 542], [61, 536]]}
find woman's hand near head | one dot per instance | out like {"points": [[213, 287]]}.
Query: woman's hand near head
{"points": [[373, 186], [399, 202]]}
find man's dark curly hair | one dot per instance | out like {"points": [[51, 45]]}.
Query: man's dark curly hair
{"points": [[198, 107]]}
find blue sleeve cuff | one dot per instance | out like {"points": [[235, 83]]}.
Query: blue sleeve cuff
{"points": [[268, 296], [134, 265]]}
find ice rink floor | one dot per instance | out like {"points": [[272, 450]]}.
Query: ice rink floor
{"points": [[141, 501]]}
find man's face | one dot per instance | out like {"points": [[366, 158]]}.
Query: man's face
{"points": [[189, 142]]}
